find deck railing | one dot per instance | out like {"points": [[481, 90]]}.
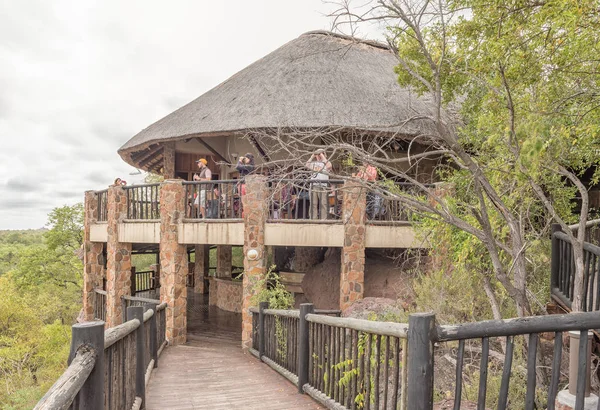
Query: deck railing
{"points": [[346, 363], [110, 369], [305, 199], [102, 198], [495, 333], [214, 199], [99, 304], [143, 201], [562, 277], [289, 199], [337, 361]]}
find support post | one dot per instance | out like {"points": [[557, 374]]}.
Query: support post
{"points": [[255, 205], [173, 261], [93, 263], [137, 312], [133, 284], [261, 328], [153, 335], [555, 257], [421, 336], [91, 395], [303, 341], [352, 272]]}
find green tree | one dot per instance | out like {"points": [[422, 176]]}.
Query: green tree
{"points": [[511, 108], [40, 297]]}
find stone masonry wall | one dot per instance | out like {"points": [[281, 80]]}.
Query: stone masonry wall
{"points": [[226, 294], [352, 275], [223, 261], [169, 160], [173, 261], [201, 268], [92, 257], [255, 216], [118, 258]]}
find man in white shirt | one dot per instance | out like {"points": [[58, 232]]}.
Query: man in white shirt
{"points": [[321, 167]]}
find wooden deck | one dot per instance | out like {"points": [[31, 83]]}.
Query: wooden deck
{"points": [[212, 372]]}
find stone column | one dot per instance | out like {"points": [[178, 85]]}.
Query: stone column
{"points": [[255, 267], [173, 261], [223, 261], [169, 160], [118, 258], [93, 264], [352, 275], [201, 268]]}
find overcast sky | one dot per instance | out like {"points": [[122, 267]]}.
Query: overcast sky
{"points": [[80, 78]]}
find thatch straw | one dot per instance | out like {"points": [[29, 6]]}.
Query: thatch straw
{"points": [[318, 80]]}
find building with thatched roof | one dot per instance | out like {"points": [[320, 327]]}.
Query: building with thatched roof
{"points": [[318, 80]]}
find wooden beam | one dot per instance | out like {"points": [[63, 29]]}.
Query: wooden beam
{"points": [[141, 154], [156, 152], [259, 148], [214, 151]]}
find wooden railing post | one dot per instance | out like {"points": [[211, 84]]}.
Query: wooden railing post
{"points": [[133, 286], [303, 341], [91, 395], [421, 336], [137, 312], [554, 257], [261, 328], [153, 334]]}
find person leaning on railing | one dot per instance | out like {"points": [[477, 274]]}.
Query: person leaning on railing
{"points": [[244, 166], [321, 166], [203, 174], [368, 173]]}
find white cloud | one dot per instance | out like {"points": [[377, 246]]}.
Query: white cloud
{"points": [[78, 79]]}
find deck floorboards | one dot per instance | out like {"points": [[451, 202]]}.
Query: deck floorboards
{"points": [[212, 372]]}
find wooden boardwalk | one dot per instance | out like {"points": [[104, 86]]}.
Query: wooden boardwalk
{"points": [[212, 372]]}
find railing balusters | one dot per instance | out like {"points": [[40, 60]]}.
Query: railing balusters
{"points": [[531, 371], [483, 371], [503, 398], [556, 361], [459, 368]]}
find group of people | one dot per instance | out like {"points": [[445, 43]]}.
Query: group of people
{"points": [[309, 199], [206, 209]]}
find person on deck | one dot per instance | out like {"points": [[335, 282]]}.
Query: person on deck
{"points": [[203, 174], [244, 166], [321, 167], [368, 172]]}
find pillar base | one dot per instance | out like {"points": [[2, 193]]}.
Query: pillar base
{"points": [[566, 401]]}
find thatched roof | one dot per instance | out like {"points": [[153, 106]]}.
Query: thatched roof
{"points": [[320, 79]]}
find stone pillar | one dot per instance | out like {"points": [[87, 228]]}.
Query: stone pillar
{"points": [[169, 160], [93, 263], [118, 258], [255, 267], [223, 261], [173, 261], [201, 268], [352, 275]]}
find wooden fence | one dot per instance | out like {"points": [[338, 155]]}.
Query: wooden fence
{"points": [[562, 275], [102, 197], [99, 304], [143, 201], [110, 369], [342, 363], [346, 363]]}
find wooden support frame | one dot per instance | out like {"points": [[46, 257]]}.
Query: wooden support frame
{"points": [[214, 151]]}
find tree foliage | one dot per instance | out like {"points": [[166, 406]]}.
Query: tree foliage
{"points": [[40, 297]]}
